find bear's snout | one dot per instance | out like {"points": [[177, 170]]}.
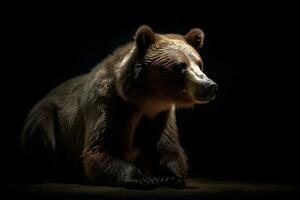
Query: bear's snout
{"points": [[203, 88], [206, 90], [210, 89]]}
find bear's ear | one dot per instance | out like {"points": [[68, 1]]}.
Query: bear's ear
{"points": [[195, 37], [144, 37]]}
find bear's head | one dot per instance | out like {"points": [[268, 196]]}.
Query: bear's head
{"points": [[166, 70]]}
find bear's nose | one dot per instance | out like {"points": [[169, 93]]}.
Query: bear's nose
{"points": [[210, 89], [206, 90]]}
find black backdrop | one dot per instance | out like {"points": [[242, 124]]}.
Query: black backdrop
{"points": [[248, 132]]}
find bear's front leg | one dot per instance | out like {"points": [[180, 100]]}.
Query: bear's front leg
{"points": [[101, 168], [172, 160]]}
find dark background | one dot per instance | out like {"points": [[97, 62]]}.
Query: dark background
{"points": [[250, 130]]}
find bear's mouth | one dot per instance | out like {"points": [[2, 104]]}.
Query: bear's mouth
{"points": [[201, 101], [206, 98]]}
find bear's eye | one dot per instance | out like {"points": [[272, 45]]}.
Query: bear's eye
{"points": [[181, 67]]}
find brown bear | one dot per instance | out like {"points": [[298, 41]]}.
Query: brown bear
{"points": [[117, 123]]}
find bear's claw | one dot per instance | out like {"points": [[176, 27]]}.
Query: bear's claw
{"points": [[144, 182]]}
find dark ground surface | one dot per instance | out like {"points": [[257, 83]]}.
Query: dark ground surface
{"points": [[196, 189]]}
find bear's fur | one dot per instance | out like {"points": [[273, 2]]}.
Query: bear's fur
{"points": [[117, 123]]}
